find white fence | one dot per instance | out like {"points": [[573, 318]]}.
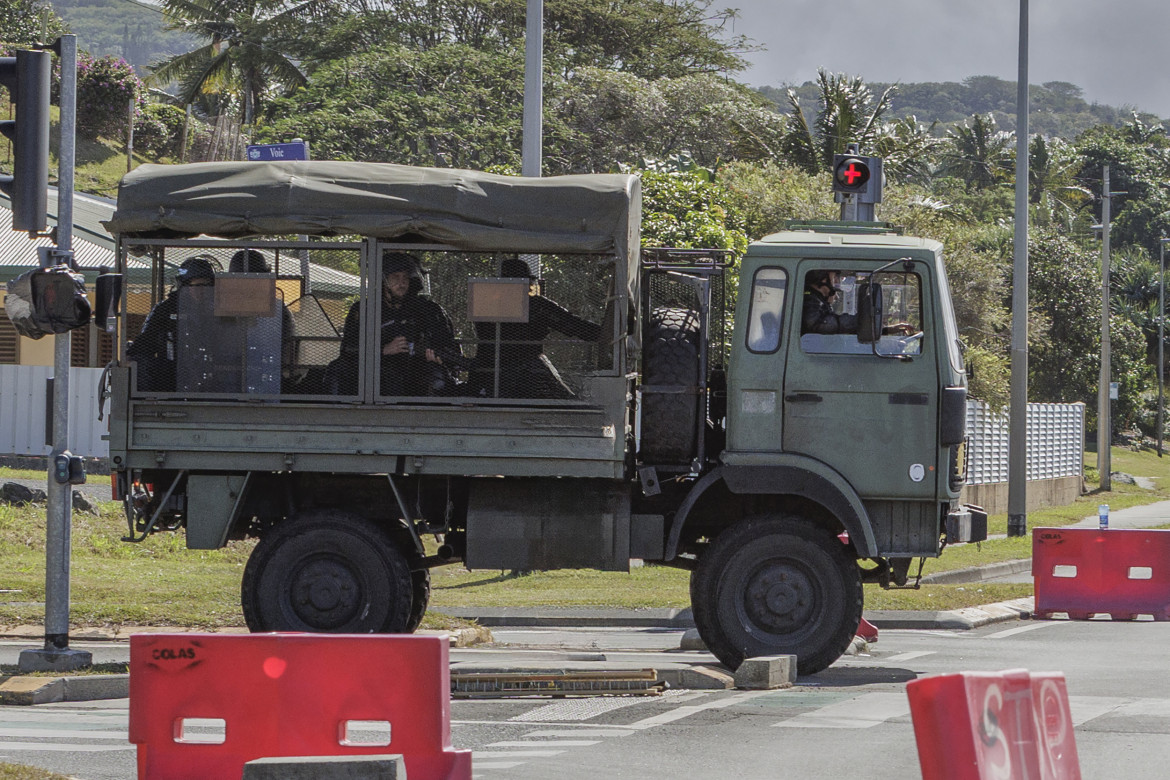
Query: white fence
{"points": [[22, 411], [1056, 432], [1056, 442]]}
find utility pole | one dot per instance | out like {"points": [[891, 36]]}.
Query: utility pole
{"points": [[56, 655], [1161, 339], [1104, 424], [533, 128], [1017, 524]]}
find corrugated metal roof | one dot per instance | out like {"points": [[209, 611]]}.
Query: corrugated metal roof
{"points": [[93, 247]]}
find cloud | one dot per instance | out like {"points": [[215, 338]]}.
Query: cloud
{"points": [[1115, 52]]}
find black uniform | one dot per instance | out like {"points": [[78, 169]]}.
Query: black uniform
{"points": [[425, 326], [526, 372], [154, 348], [818, 316]]}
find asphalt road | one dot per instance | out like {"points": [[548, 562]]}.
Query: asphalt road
{"points": [[852, 720]]}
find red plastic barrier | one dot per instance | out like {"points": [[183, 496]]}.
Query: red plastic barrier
{"points": [[290, 695], [1084, 571], [994, 725], [867, 631]]}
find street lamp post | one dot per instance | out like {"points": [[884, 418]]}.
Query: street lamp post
{"points": [[1017, 524], [1161, 338]]}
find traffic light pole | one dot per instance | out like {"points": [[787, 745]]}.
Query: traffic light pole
{"points": [[56, 655]]}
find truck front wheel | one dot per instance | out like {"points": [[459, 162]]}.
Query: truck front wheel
{"points": [[328, 572], [777, 585]]}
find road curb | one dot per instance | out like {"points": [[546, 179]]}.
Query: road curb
{"points": [[46, 690], [978, 573]]}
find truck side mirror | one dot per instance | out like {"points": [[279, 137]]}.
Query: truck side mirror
{"points": [[107, 296], [869, 313]]}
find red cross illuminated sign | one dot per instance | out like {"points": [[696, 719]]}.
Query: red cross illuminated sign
{"points": [[851, 175]]}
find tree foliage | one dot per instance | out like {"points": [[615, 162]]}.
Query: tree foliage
{"points": [[847, 112], [25, 22], [242, 60]]}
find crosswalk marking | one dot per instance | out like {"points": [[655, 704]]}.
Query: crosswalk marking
{"points": [[545, 743], [1086, 708], [60, 747], [61, 733], [489, 754], [1025, 628], [904, 657], [685, 712], [862, 712], [603, 731]]}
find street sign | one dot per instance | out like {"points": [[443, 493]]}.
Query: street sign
{"points": [[297, 150], [1113, 391]]}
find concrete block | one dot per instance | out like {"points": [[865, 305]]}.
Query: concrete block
{"points": [[691, 641], [31, 690], [697, 677], [45, 660], [96, 686], [766, 673], [366, 767]]}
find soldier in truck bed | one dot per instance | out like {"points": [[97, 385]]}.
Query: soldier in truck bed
{"points": [[418, 349], [525, 371], [154, 348]]}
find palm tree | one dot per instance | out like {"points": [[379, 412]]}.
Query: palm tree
{"points": [[1053, 166], [847, 114], [241, 61], [977, 152], [906, 147]]}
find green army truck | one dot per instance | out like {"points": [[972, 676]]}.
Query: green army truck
{"points": [[603, 404]]}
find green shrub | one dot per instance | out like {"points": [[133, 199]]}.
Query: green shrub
{"points": [[105, 87]]}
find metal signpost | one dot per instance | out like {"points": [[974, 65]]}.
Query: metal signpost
{"points": [[56, 655]]}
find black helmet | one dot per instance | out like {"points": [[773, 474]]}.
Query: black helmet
{"points": [[198, 267], [515, 268], [249, 261], [393, 262], [817, 278]]}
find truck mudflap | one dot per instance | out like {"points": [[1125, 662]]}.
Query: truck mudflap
{"points": [[968, 523]]}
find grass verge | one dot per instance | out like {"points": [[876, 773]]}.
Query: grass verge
{"points": [[160, 582]]}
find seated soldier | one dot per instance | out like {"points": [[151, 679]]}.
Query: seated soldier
{"points": [[418, 348]]}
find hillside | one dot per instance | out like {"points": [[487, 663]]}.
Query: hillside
{"points": [[130, 30], [1057, 107]]}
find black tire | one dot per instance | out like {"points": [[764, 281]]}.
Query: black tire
{"points": [[777, 585], [671, 358], [420, 589], [327, 572]]}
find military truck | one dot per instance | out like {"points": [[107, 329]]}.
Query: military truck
{"points": [[691, 423]]}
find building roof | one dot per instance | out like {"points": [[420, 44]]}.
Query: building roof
{"points": [[93, 247]]}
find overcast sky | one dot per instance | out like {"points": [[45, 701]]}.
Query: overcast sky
{"points": [[1117, 51]]}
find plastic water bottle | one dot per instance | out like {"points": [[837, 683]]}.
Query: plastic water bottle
{"points": [[1103, 516]]}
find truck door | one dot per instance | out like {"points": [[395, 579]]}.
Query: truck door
{"points": [[871, 416], [756, 376]]}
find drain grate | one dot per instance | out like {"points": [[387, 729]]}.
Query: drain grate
{"points": [[643, 682]]}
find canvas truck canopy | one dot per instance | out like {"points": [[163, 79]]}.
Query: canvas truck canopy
{"points": [[469, 210]]}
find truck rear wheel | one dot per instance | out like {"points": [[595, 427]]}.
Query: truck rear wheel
{"points": [[328, 572], [777, 585], [671, 360], [420, 583]]}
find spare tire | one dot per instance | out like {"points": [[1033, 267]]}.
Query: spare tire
{"points": [[670, 359]]}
